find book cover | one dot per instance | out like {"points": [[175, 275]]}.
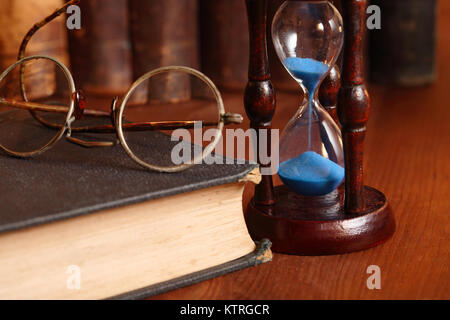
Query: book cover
{"points": [[69, 182]]}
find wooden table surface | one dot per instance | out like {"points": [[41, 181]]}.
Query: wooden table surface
{"points": [[407, 156]]}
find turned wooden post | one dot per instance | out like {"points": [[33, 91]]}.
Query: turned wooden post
{"points": [[259, 98], [329, 89], [328, 92], [353, 103]]}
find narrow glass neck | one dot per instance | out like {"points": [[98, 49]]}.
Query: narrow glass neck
{"points": [[309, 96]]}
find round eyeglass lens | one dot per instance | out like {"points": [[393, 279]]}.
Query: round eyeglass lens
{"points": [[35, 105], [171, 119]]}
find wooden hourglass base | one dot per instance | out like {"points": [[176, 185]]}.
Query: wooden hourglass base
{"points": [[301, 225]]}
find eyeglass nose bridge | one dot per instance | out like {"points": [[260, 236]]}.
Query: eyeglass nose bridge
{"points": [[80, 102]]}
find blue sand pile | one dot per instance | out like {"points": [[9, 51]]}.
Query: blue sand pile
{"points": [[311, 174], [308, 70]]}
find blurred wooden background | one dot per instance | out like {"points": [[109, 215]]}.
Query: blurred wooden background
{"points": [[120, 40]]}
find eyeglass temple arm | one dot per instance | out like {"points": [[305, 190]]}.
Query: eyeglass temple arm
{"points": [[148, 126], [227, 118], [42, 23], [142, 126], [34, 106], [31, 32]]}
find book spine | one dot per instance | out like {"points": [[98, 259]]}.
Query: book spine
{"points": [[100, 51], [16, 19], [164, 33], [224, 42], [403, 51]]}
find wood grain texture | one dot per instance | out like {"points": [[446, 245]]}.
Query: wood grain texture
{"points": [[353, 104], [407, 156]]}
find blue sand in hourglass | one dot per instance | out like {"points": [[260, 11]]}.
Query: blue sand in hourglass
{"points": [[308, 70], [310, 173]]}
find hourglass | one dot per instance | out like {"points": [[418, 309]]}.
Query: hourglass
{"points": [[322, 206], [308, 38]]}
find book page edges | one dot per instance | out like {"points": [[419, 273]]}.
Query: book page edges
{"points": [[253, 176], [88, 243], [260, 255]]}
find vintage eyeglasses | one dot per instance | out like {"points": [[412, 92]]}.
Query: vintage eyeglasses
{"points": [[60, 116]]}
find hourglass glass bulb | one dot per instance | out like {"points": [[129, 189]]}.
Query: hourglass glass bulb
{"points": [[308, 37]]}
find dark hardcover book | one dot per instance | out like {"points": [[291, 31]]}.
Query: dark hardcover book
{"points": [[125, 232]]}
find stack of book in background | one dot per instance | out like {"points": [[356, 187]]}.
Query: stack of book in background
{"points": [[120, 40]]}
